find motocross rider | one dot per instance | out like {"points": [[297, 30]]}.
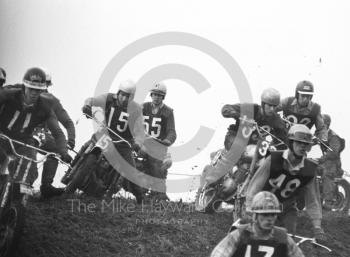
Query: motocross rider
{"points": [[264, 115], [330, 161], [288, 174], [261, 236], [160, 124], [22, 109], [46, 141], [300, 109], [124, 116]]}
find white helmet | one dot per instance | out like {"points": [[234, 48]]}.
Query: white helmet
{"points": [[128, 86], [159, 88]]}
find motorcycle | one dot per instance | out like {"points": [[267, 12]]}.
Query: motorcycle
{"points": [[231, 186], [14, 195], [91, 172]]}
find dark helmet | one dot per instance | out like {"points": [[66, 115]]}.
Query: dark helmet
{"points": [[327, 119], [35, 78], [305, 88], [48, 79], [2, 76]]}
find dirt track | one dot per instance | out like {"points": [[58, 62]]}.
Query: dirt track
{"points": [[90, 227]]}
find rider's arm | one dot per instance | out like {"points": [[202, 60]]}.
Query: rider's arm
{"points": [[97, 101], [258, 181], [8, 92], [321, 129], [227, 246], [231, 111], [57, 133], [64, 119], [170, 128], [335, 144], [293, 249], [312, 203]]}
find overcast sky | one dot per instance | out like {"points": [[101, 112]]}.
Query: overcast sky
{"points": [[276, 44]]}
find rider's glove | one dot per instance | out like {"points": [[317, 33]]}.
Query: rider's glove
{"points": [[136, 147], [166, 142], [71, 144], [66, 158], [87, 110], [319, 235]]}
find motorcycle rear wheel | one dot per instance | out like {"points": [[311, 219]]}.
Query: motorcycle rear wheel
{"points": [[341, 199]]}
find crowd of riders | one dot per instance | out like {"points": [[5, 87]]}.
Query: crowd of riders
{"points": [[31, 114]]}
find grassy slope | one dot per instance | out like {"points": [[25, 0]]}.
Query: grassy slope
{"points": [[94, 228]]}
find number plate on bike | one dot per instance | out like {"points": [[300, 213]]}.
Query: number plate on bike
{"points": [[25, 189]]}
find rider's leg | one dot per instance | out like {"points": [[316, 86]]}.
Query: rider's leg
{"points": [[328, 185], [136, 190], [49, 169], [288, 217], [155, 169]]}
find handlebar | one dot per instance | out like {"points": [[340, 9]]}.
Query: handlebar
{"points": [[122, 140], [309, 239], [116, 134], [259, 129], [319, 141], [41, 151]]}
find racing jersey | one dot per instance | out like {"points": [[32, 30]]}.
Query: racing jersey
{"points": [[246, 241], [309, 115], [19, 121], [161, 124]]}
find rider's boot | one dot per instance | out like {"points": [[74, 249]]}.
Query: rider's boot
{"points": [[48, 191], [49, 171]]}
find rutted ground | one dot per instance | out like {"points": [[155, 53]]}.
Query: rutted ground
{"points": [[90, 227]]}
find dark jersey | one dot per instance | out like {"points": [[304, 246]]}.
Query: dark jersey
{"points": [[161, 124], [274, 247], [308, 119], [56, 106], [282, 183], [117, 119], [19, 122], [274, 124]]}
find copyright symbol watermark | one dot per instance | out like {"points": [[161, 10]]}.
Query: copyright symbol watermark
{"points": [[180, 72]]}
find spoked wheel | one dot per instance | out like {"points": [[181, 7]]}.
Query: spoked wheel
{"points": [[11, 227], [341, 198], [81, 176], [207, 201]]}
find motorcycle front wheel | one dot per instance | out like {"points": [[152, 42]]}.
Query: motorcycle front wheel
{"points": [[82, 174], [207, 200], [11, 228]]}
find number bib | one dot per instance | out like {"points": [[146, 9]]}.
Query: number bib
{"points": [[283, 184], [155, 124], [251, 247], [118, 120], [307, 119]]}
